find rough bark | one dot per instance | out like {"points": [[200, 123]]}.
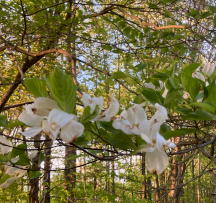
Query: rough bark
{"points": [[33, 194], [47, 167]]}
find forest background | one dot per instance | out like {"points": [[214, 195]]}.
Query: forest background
{"points": [[124, 48]]}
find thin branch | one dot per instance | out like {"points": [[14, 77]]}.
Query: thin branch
{"points": [[25, 25], [19, 68], [152, 24]]}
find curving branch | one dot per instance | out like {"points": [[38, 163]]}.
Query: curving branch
{"points": [[151, 24]]}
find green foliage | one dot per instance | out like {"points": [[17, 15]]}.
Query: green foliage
{"points": [[34, 174], [87, 116], [36, 86], [152, 95], [63, 91], [18, 150], [3, 121], [191, 85]]}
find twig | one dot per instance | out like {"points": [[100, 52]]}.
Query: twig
{"points": [[19, 68], [151, 24]]}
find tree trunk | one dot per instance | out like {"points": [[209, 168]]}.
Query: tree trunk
{"points": [[70, 174], [143, 194], [33, 194], [47, 167], [157, 192]]}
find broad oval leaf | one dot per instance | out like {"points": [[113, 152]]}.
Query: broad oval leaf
{"points": [[63, 89]]}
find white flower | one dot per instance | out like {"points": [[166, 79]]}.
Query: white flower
{"points": [[129, 120], [70, 128], [92, 102], [156, 158], [111, 111], [186, 95], [208, 69], [7, 147], [198, 75]]}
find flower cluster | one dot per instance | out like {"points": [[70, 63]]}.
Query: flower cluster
{"points": [[134, 121], [45, 115], [10, 168]]}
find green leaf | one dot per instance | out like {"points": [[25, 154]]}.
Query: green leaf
{"points": [[161, 76], [205, 14], [214, 21], [207, 106], [188, 70], [117, 51], [3, 158], [108, 126], [15, 123], [106, 47], [194, 12], [172, 83], [3, 121], [41, 157], [211, 89], [73, 157], [179, 132], [34, 174], [119, 75], [87, 116], [152, 96], [184, 110], [20, 149], [23, 160], [121, 141], [191, 85], [212, 9], [199, 116], [172, 96], [36, 86], [63, 89], [141, 66]]}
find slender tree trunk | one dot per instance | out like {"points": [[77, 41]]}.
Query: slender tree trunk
{"points": [[174, 173], [47, 167], [143, 195], [157, 192], [33, 194], [70, 172], [149, 193], [198, 185], [113, 177]]}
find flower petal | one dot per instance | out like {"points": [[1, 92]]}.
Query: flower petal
{"points": [[31, 132], [33, 153], [29, 118], [71, 131], [206, 67], [58, 119], [7, 148], [112, 110], [8, 182], [146, 138], [156, 161], [145, 127], [211, 70], [44, 105], [160, 115], [48, 131]]}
